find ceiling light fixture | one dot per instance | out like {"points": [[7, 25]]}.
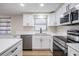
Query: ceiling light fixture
{"points": [[41, 4], [22, 4]]}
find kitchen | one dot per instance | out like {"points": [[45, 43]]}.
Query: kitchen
{"points": [[39, 29]]}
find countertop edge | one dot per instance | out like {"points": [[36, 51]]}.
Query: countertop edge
{"points": [[9, 47]]}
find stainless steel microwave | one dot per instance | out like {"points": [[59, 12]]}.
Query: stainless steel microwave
{"points": [[74, 15], [65, 19]]}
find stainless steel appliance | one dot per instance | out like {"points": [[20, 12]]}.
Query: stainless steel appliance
{"points": [[27, 42], [59, 43], [73, 36], [74, 15], [70, 17], [66, 19]]}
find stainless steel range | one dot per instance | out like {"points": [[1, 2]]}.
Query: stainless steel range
{"points": [[73, 36], [59, 43]]}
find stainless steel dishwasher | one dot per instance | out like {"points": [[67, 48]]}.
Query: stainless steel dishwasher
{"points": [[27, 42]]}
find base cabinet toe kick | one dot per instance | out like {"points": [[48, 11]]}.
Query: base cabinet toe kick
{"points": [[15, 50]]}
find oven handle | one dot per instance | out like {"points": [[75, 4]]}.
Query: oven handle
{"points": [[69, 41], [61, 47], [72, 41]]}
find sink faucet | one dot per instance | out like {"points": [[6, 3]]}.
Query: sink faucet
{"points": [[40, 30]]}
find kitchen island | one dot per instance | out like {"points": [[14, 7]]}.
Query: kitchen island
{"points": [[10, 46]]}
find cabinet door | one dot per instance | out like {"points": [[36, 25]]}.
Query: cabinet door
{"points": [[36, 42], [51, 43], [51, 20], [72, 5], [45, 42], [59, 13], [72, 52], [15, 50], [19, 50], [28, 20], [58, 16]]}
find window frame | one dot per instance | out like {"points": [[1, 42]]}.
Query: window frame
{"points": [[41, 24]]}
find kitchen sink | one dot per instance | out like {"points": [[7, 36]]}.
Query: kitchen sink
{"points": [[41, 34]]}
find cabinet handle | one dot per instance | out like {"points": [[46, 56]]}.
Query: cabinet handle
{"points": [[74, 54], [13, 50]]}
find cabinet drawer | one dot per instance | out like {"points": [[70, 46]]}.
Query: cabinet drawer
{"points": [[18, 52], [12, 50], [72, 52], [36, 37]]}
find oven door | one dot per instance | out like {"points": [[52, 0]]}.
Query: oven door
{"points": [[74, 16], [59, 45]]}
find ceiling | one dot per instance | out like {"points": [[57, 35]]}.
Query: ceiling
{"points": [[16, 9]]}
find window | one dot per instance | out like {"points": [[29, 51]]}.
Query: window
{"points": [[40, 22], [5, 27]]}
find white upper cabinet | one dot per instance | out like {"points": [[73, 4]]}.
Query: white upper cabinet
{"points": [[64, 8], [72, 5], [28, 20], [51, 20], [59, 13]]}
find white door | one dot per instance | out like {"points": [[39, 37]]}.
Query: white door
{"points": [[51, 43], [45, 42], [28, 20], [52, 20], [36, 42]]}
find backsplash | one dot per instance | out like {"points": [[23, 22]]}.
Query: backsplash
{"points": [[62, 30]]}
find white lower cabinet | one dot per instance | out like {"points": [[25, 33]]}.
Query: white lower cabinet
{"points": [[51, 43], [15, 50], [72, 52], [36, 42], [41, 42], [45, 42]]}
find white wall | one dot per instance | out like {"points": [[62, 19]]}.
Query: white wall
{"points": [[18, 28], [16, 24]]}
